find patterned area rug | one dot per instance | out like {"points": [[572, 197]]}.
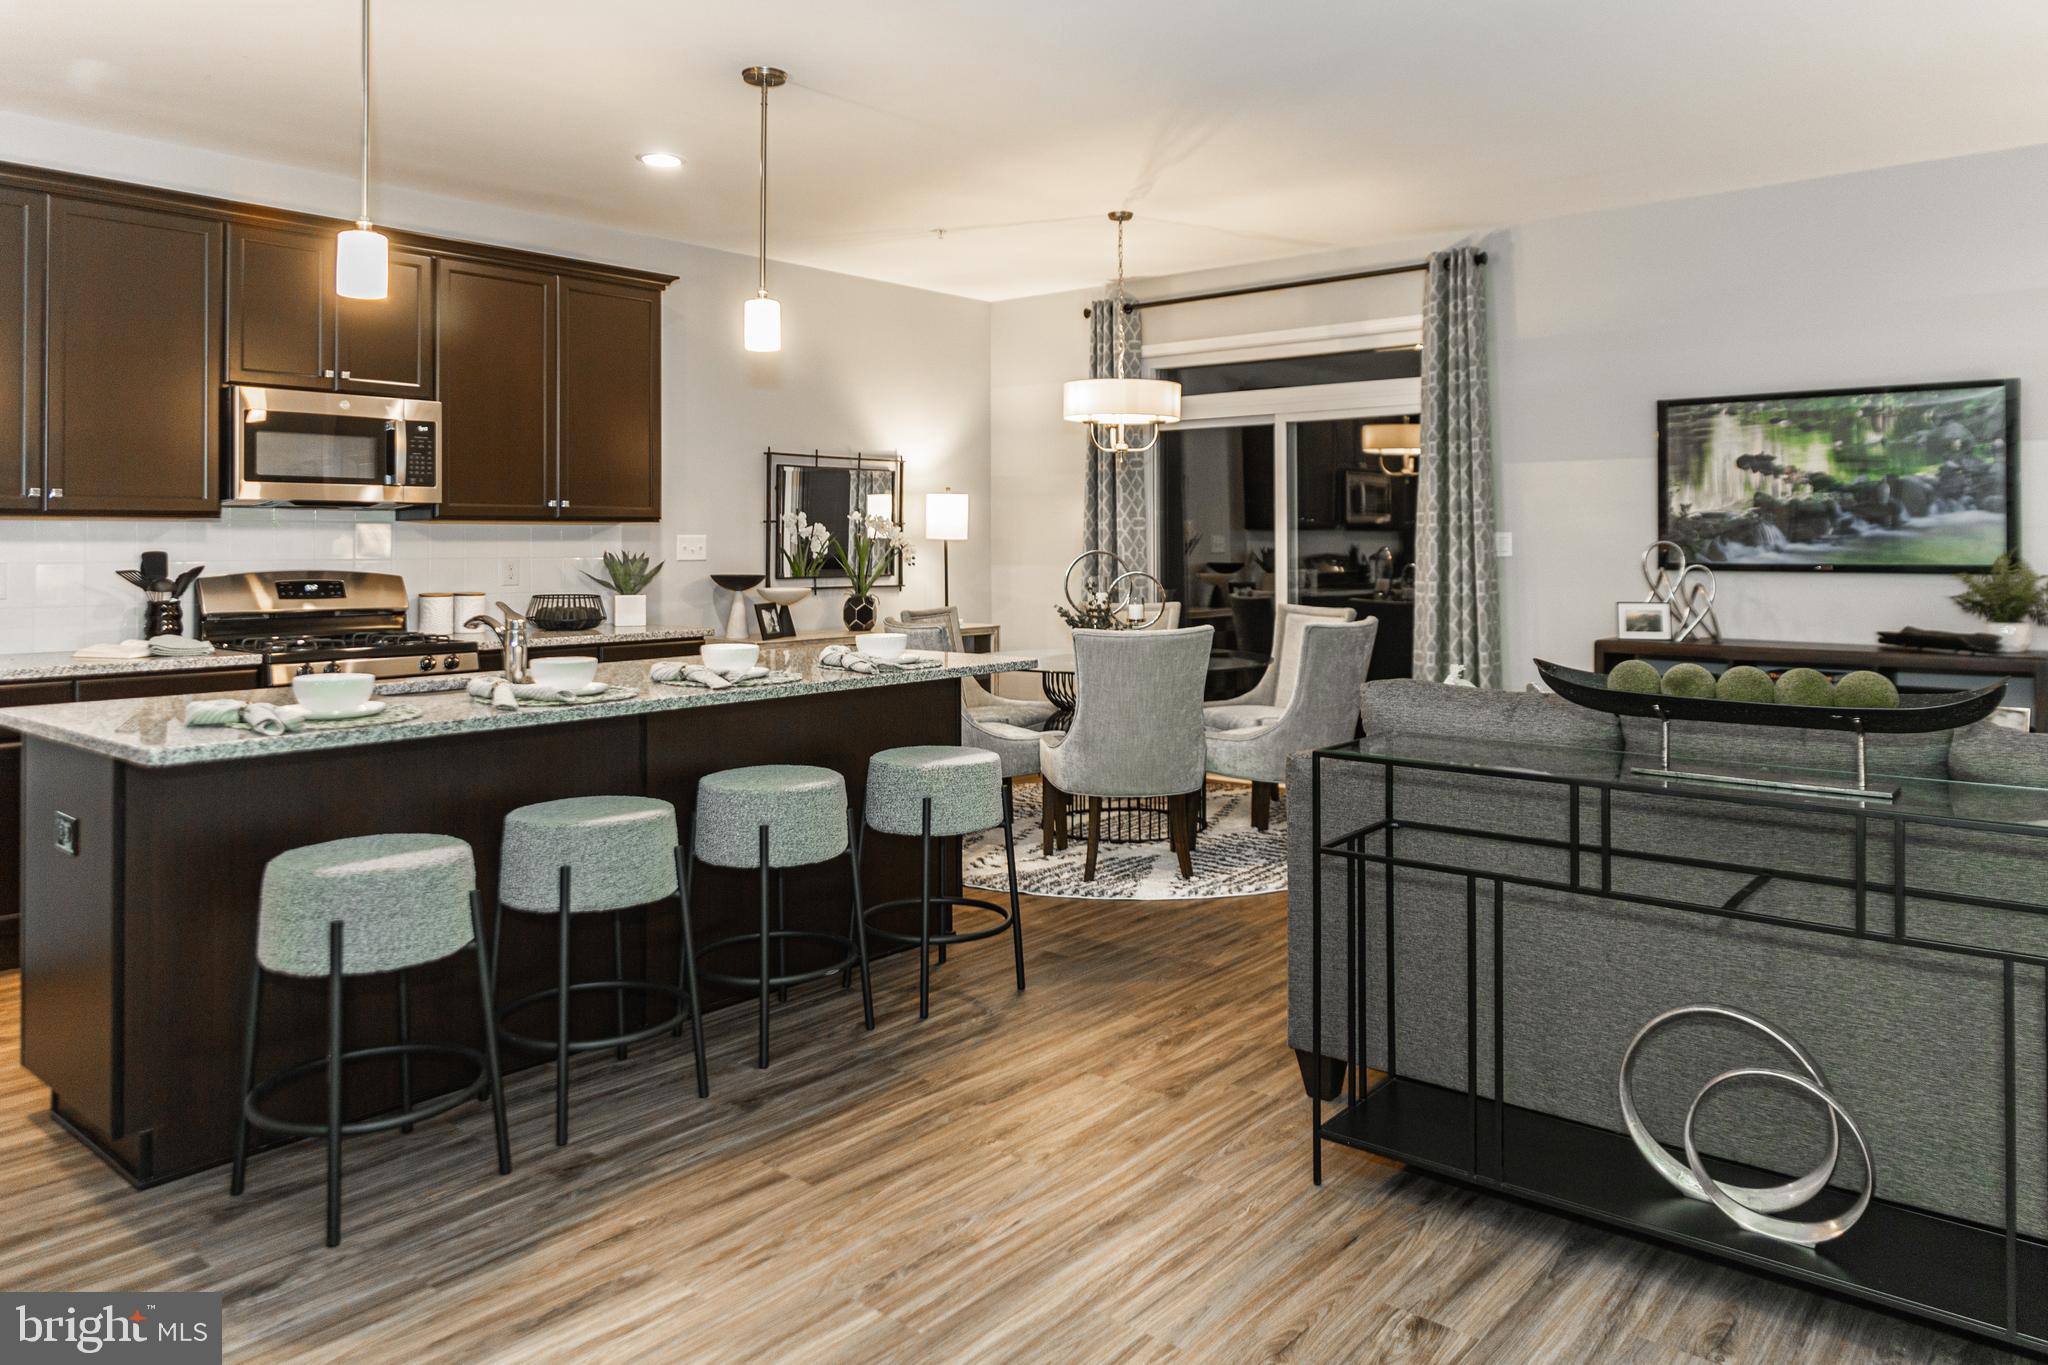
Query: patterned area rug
{"points": [[1231, 858]]}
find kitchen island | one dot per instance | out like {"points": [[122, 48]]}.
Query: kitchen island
{"points": [[144, 842]]}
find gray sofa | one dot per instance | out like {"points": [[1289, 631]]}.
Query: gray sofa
{"points": [[1908, 1039]]}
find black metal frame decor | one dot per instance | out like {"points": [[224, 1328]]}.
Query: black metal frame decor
{"points": [[779, 460], [1988, 1280]]}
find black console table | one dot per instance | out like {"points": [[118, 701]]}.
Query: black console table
{"points": [[1969, 670], [1989, 1280]]}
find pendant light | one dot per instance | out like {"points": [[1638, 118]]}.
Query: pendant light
{"points": [[761, 320], [1123, 414], [362, 258]]}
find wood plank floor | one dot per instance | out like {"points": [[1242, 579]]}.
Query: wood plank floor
{"points": [[1112, 1166]]}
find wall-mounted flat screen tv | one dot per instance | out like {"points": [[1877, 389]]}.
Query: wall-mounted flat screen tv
{"points": [[1918, 478]]}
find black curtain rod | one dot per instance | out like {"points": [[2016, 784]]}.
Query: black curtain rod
{"points": [[1133, 305]]}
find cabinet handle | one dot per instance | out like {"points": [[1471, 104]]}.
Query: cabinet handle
{"points": [[565, 502], [35, 492], [346, 375], [56, 492], [553, 503], [327, 374]]}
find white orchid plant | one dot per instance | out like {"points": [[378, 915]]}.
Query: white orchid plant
{"points": [[872, 545], [806, 545]]}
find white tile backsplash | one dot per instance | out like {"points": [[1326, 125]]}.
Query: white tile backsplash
{"points": [[60, 591]]}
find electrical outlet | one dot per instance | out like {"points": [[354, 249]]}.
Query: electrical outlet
{"points": [[1503, 544], [67, 834], [508, 573], [1218, 545], [691, 547]]}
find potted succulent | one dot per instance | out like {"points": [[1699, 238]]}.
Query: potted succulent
{"points": [[627, 576], [866, 556], [2010, 598]]}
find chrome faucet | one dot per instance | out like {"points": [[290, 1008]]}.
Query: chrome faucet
{"points": [[515, 637]]}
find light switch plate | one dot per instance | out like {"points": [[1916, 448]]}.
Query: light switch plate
{"points": [[691, 547], [67, 834], [1503, 544]]}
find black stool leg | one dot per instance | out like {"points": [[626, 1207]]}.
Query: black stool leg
{"points": [[562, 1014], [687, 978], [1016, 910], [860, 922], [404, 1058], [761, 1053], [497, 938], [619, 973], [494, 1076], [334, 980], [924, 916], [241, 1167], [781, 923]]}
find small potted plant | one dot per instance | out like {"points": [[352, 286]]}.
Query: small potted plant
{"points": [[1094, 613], [2011, 598], [866, 557], [627, 576]]}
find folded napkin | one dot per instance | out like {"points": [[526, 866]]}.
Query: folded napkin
{"points": [[157, 646], [683, 672], [260, 716], [853, 661], [177, 646], [505, 695], [126, 649]]}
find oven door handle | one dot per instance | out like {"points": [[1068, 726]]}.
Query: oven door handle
{"points": [[392, 441]]}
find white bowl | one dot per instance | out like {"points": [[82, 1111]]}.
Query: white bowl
{"points": [[731, 656], [564, 670], [883, 646], [333, 694]]}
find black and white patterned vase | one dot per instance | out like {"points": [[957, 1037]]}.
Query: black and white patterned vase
{"points": [[859, 611]]}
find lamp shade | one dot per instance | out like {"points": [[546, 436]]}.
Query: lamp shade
{"points": [[1395, 438], [362, 263], [763, 324], [1122, 402], [945, 516]]}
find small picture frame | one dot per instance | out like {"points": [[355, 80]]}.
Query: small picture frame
{"points": [[2020, 718], [772, 621], [1642, 620]]}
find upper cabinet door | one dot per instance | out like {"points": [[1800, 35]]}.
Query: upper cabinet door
{"points": [[280, 310], [387, 344], [21, 350], [497, 390], [134, 360], [609, 451]]}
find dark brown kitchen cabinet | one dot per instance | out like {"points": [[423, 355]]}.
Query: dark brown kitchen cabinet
{"points": [[133, 357], [21, 349], [16, 694], [287, 327], [609, 447], [496, 330]]}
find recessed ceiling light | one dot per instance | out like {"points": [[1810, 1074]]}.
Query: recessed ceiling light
{"points": [[661, 161]]}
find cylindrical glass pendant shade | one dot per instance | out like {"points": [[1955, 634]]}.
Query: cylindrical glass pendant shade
{"points": [[763, 324], [362, 264]]}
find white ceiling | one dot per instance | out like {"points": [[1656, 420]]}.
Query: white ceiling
{"points": [[1237, 130]]}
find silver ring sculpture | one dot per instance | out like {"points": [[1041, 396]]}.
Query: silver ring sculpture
{"points": [[1116, 592], [1751, 1208], [1688, 590]]}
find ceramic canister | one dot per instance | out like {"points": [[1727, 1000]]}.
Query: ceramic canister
{"points": [[437, 613]]}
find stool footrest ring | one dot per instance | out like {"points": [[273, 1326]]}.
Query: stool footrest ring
{"points": [[849, 956], [1002, 913], [440, 1104], [534, 1043]]}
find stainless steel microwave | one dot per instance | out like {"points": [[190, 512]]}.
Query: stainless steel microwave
{"points": [[348, 449]]}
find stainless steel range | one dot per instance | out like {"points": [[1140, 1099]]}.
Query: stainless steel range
{"points": [[320, 621]]}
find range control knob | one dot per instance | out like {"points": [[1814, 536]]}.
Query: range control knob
{"points": [[304, 669], [451, 663], [426, 663]]}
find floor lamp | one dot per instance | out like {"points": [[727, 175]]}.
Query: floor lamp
{"points": [[945, 520]]}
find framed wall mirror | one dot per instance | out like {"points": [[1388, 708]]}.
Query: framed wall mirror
{"points": [[828, 489]]}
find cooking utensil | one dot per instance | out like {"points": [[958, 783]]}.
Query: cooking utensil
{"points": [[133, 576], [184, 580], [156, 567]]}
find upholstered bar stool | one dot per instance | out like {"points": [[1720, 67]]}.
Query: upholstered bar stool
{"points": [[596, 855], [771, 818], [364, 907], [942, 791]]}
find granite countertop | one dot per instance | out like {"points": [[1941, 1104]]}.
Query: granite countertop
{"points": [[45, 667], [598, 635], [151, 732]]}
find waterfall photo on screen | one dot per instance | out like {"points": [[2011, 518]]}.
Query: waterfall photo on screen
{"points": [[1897, 478]]}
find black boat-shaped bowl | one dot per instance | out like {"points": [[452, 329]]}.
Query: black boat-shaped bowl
{"points": [[1916, 713]]}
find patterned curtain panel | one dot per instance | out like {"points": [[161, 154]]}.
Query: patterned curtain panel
{"points": [[1117, 510], [1457, 590]]}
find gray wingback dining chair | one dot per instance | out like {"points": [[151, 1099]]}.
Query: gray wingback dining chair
{"points": [[1136, 731], [1265, 702], [1016, 745], [1331, 662], [985, 704]]}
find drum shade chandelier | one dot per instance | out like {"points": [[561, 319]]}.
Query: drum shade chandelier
{"points": [[1123, 414]]}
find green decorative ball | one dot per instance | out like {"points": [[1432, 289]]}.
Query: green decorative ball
{"points": [[1864, 688], [1805, 687], [1743, 683], [1688, 680], [1634, 675]]}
